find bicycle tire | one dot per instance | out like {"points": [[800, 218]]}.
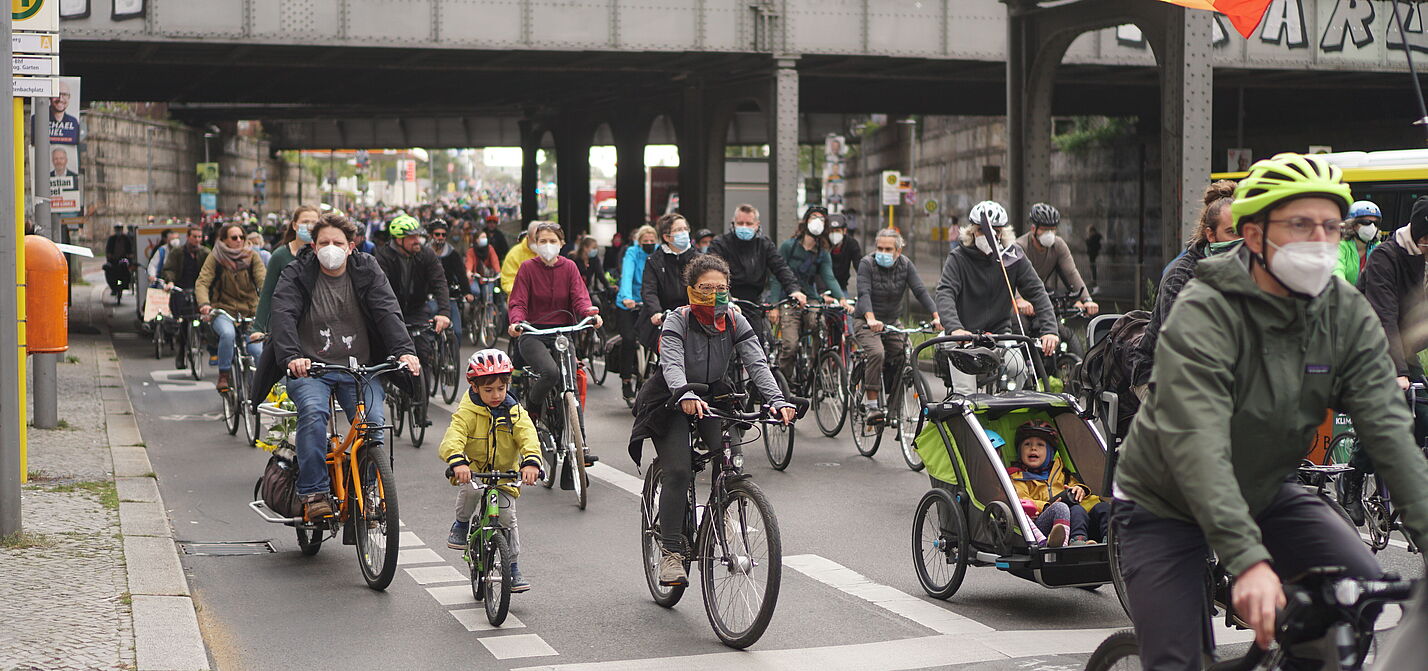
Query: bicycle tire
{"points": [[830, 394], [452, 372], [420, 409], [909, 408], [1113, 556], [650, 549], [196, 358], [944, 543], [595, 359], [550, 469], [431, 380], [378, 532], [1341, 449], [1114, 653], [496, 579], [778, 445], [396, 413], [576, 450], [231, 408], [710, 565], [309, 540], [158, 334]]}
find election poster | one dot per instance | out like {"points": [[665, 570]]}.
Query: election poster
{"points": [[66, 185]]}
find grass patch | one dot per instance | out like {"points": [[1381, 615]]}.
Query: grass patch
{"points": [[24, 540], [150, 474], [104, 489], [61, 425], [80, 283], [71, 359], [36, 474], [126, 599]]}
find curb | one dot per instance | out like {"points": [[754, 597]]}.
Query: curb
{"points": [[166, 631]]}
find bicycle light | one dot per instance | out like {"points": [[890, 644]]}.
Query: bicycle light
{"points": [[562, 344]]}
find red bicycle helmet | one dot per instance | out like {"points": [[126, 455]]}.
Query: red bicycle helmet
{"points": [[488, 362]]}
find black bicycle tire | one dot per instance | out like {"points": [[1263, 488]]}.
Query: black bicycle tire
{"points": [[376, 456], [547, 455], [664, 595], [420, 410], [577, 449], [597, 347], [830, 357], [452, 371], [195, 352], [773, 435], [396, 412], [1113, 554], [1117, 647], [158, 336], [707, 568], [500, 605], [231, 408], [954, 518], [907, 424]]}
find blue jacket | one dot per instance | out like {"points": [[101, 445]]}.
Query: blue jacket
{"points": [[632, 274]]}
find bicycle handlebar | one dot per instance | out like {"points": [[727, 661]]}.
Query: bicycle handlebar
{"points": [[318, 369], [528, 329], [924, 327]]}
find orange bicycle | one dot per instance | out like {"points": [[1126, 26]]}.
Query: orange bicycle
{"points": [[362, 484]]}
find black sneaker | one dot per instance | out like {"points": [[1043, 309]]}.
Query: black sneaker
{"points": [[627, 387]]}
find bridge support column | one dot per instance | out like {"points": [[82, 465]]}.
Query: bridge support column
{"points": [[694, 195], [530, 171], [631, 134], [783, 150], [1186, 94], [573, 173]]}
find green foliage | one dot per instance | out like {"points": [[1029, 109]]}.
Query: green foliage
{"points": [[1087, 132], [104, 489], [24, 540]]}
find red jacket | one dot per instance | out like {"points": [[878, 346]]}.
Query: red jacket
{"points": [[549, 295]]}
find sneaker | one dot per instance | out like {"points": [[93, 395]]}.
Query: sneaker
{"points": [[518, 582], [460, 532], [213, 359], [590, 459], [875, 414], [671, 570], [223, 381], [627, 388], [1059, 531], [316, 507]]}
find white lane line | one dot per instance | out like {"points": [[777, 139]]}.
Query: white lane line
{"points": [[419, 556], [517, 646], [1391, 541], [474, 619], [848, 581], [409, 539], [908, 653], [427, 575], [452, 595], [617, 477]]}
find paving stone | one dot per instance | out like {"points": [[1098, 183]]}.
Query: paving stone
{"points": [[137, 489], [166, 634], [143, 519], [154, 566]]}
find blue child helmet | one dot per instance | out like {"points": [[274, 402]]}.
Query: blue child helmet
{"points": [[1364, 208], [995, 439]]}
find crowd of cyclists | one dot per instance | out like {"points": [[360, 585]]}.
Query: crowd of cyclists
{"points": [[1288, 300]]}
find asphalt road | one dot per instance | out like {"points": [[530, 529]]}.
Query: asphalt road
{"points": [[589, 608]]}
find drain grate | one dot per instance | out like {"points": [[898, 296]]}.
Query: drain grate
{"points": [[227, 548]]}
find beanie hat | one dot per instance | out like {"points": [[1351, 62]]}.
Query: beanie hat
{"points": [[1418, 221]]}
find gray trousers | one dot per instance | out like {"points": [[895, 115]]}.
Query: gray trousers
{"points": [[469, 500]]}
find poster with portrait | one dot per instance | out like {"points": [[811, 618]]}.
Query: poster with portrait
{"points": [[66, 129]]}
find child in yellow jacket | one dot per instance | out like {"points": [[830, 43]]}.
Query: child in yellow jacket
{"points": [[1063, 508], [490, 432]]}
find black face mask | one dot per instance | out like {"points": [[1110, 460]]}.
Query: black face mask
{"points": [[649, 247]]}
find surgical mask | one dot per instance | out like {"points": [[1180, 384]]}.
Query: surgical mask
{"points": [[836, 238], [304, 232], [1304, 266], [480, 242], [1047, 239], [815, 226], [984, 244], [680, 240], [1217, 247], [744, 232], [175, 242], [592, 252], [547, 251], [332, 257], [1367, 232], [648, 247], [703, 249], [884, 259]]}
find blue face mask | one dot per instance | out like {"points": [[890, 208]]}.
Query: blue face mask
{"points": [[593, 252], [304, 232], [681, 240], [884, 259], [744, 232]]}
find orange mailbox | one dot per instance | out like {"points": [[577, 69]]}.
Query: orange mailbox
{"points": [[46, 296]]}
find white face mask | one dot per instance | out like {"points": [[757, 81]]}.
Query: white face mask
{"points": [[1304, 266], [547, 251], [984, 244], [815, 226], [175, 242], [332, 257], [1047, 239], [1367, 232], [836, 238]]}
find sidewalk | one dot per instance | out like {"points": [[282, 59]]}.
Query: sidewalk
{"points": [[94, 580]]}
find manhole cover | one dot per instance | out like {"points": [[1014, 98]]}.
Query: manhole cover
{"points": [[227, 548]]}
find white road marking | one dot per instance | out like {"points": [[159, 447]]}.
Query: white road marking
{"points": [[427, 575], [474, 619], [409, 539], [452, 595], [1391, 541], [520, 645], [419, 556], [617, 477], [848, 581]]}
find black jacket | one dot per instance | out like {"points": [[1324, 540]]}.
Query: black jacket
{"points": [[1181, 270], [972, 294], [751, 261], [1392, 281], [292, 298], [428, 281], [453, 266], [846, 257], [663, 287]]}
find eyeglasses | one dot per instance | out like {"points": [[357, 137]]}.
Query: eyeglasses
{"points": [[716, 288], [235, 237], [439, 236], [1302, 228]]}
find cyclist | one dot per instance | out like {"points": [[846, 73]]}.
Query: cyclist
{"points": [[119, 258], [1360, 238], [416, 277], [296, 237], [168, 240], [884, 278], [752, 258], [586, 255], [182, 266], [972, 294], [332, 306], [806, 254], [523, 251], [846, 252], [491, 432], [495, 237], [1215, 233], [1255, 349], [702, 239], [453, 267], [482, 261], [698, 345], [1051, 257], [548, 293], [663, 286], [632, 276], [229, 281]]}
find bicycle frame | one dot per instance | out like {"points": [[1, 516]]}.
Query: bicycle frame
{"points": [[484, 522]]}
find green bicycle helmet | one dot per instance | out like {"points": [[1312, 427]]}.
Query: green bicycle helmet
{"points": [[403, 225], [1273, 181]]}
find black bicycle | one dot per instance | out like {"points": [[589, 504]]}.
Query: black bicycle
{"points": [[779, 439], [409, 410]]}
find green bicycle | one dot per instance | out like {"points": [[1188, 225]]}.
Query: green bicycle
{"points": [[488, 550]]}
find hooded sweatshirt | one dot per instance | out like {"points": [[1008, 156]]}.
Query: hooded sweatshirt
{"points": [[1242, 379], [972, 294], [1393, 282]]}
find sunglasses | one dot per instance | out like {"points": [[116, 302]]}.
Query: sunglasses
{"points": [[235, 237]]}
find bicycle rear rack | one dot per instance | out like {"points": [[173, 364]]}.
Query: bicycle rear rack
{"points": [[269, 516]]}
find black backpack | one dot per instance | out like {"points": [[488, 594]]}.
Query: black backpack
{"points": [[1107, 366], [278, 486]]}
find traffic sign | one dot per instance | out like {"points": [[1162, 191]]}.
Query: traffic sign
{"points": [[891, 195], [931, 205], [36, 87], [34, 65], [34, 43], [40, 16]]}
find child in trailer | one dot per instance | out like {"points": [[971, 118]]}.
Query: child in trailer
{"points": [[1064, 509]]}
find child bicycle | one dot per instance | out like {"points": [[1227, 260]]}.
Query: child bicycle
{"points": [[488, 549]]}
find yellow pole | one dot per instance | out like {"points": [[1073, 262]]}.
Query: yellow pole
{"points": [[890, 216], [19, 159]]}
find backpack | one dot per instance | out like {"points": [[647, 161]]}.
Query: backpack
{"points": [[1107, 366], [278, 486]]}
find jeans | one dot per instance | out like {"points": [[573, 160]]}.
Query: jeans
{"points": [[537, 355], [878, 349], [223, 327], [1163, 561], [454, 313], [676, 461], [469, 500], [310, 395]]}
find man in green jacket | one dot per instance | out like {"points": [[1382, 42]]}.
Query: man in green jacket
{"points": [[1257, 347]]}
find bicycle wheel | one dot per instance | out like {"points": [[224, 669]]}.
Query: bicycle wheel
{"points": [[431, 369], [650, 549], [908, 408], [419, 408], [396, 410], [196, 352], [1341, 449], [378, 531], [548, 456], [830, 392], [778, 445], [740, 565], [1377, 516], [231, 409], [451, 373], [595, 357], [575, 449], [1065, 367], [1119, 652], [1113, 554], [158, 333], [496, 580], [939, 544]]}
